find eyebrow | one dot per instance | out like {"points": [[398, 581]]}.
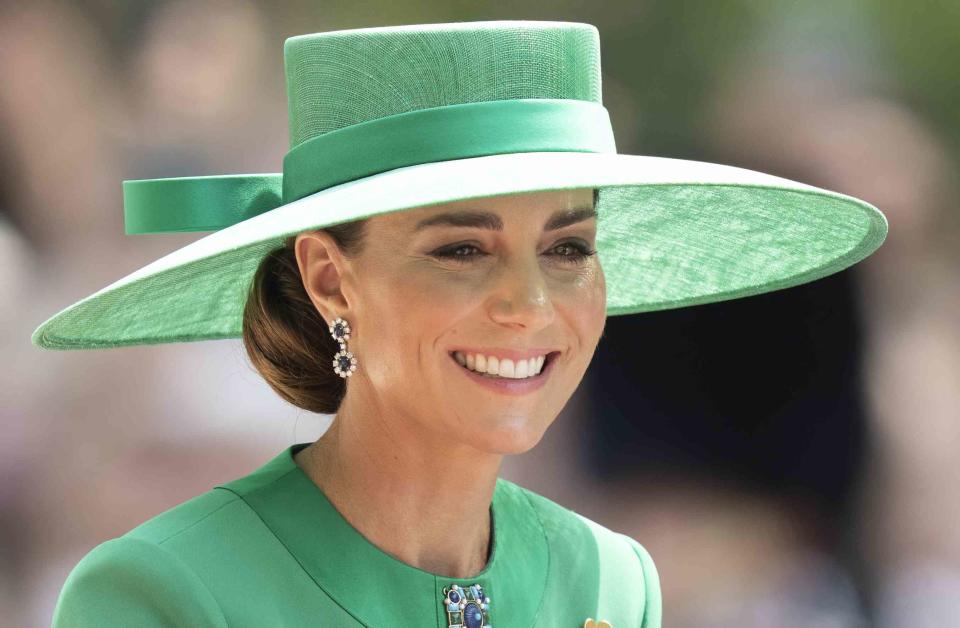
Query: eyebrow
{"points": [[486, 220]]}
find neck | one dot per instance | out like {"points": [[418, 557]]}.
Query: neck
{"points": [[418, 495]]}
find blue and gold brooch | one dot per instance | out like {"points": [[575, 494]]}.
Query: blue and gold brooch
{"points": [[466, 607]]}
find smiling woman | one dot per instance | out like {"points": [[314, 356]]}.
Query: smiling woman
{"points": [[413, 297], [286, 335], [434, 267]]}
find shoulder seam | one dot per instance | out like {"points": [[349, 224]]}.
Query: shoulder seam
{"points": [[226, 486], [193, 523]]}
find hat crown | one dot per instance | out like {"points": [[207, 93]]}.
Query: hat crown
{"points": [[342, 78]]}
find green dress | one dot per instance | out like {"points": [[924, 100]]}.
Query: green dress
{"points": [[269, 549]]}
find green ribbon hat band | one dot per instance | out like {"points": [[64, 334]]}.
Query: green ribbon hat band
{"points": [[197, 203], [443, 133], [427, 135]]}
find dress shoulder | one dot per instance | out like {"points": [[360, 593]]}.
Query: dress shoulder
{"points": [[142, 578], [616, 569], [653, 611], [132, 582], [185, 515]]}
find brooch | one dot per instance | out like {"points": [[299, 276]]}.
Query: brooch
{"points": [[590, 623], [466, 608]]}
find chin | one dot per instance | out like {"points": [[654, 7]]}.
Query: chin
{"points": [[511, 438]]}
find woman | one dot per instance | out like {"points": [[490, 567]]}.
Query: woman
{"points": [[427, 268]]}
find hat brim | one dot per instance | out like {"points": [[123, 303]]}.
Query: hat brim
{"points": [[670, 233]]}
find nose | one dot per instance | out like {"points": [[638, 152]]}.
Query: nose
{"points": [[521, 296]]}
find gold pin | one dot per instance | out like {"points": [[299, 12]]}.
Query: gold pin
{"points": [[590, 623]]}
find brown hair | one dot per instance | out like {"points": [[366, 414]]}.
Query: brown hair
{"points": [[286, 339]]}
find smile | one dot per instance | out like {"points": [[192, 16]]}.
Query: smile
{"points": [[507, 385]]}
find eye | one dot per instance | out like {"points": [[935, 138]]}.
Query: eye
{"points": [[578, 254], [453, 253], [573, 252]]}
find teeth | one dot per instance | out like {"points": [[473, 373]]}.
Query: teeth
{"points": [[521, 368], [490, 365]]}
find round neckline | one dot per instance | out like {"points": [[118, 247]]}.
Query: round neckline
{"points": [[496, 529], [354, 573]]}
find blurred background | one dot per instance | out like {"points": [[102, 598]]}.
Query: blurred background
{"points": [[788, 459]]}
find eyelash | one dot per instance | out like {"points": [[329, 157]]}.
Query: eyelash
{"points": [[581, 255]]}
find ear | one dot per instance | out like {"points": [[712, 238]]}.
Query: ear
{"points": [[322, 268]]}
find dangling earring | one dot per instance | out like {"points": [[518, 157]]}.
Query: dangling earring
{"points": [[344, 364]]}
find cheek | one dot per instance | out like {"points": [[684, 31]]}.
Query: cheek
{"points": [[406, 311], [586, 303], [426, 299], [601, 296]]}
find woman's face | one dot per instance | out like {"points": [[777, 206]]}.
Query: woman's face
{"points": [[486, 276]]}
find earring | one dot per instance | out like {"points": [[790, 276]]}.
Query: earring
{"points": [[344, 364]]}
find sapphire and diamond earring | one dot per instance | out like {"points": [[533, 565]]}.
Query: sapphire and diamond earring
{"points": [[466, 607], [344, 364]]}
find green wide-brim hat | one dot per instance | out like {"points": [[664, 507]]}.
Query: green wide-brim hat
{"points": [[388, 119]]}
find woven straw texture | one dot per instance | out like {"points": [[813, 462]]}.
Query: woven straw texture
{"points": [[346, 77]]}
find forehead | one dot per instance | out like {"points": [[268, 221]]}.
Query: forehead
{"points": [[556, 207]]}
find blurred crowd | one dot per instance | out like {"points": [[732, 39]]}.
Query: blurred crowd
{"points": [[828, 503]]}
